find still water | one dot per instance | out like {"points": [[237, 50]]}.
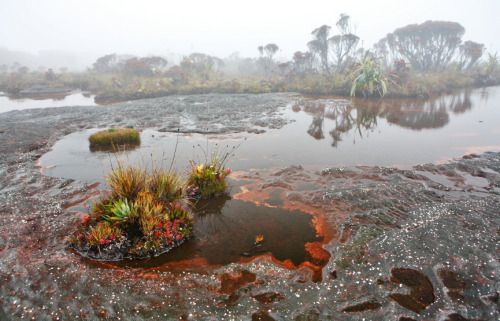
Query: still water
{"points": [[8, 103], [324, 132]]}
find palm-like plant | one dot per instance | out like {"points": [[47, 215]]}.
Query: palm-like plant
{"points": [[368, 76]]}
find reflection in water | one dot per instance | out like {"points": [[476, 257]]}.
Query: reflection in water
{"points": [[360, 116], [8, 103], [121, 148], [210, 213], [316, 127], [346, 117]]}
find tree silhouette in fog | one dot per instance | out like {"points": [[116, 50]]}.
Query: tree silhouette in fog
{"points": [[320, 45], [430, 46]]}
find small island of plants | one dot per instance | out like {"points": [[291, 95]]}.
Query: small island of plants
{"points": [[114, 136], [147, 213], [209, 179]]}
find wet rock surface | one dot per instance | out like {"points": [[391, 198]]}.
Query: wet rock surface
{"points": [[418, 244]]}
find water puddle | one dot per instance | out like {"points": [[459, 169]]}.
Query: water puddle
{"points": [[225, 232]]}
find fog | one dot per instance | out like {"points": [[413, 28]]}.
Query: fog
{"points": [[73, 34]]}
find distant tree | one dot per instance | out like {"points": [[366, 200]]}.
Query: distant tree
{"points": [[267, 53], [187, 64], [284, 67], [429, 46], [247, 66], [198, 58], [469, 53], [23, 70], [106, 64], [302, 63], [137, 67], [63, 70], [320, 45], [271, 49], [155, 63], [261, 50], [343, 45], [177, 74], [204, 64], [218, 63], [4, 68], [49, 74]]}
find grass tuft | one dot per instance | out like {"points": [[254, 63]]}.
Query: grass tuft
{"points": [[114, 136]]}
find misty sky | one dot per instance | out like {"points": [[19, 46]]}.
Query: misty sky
{"points": [[222, 27]]}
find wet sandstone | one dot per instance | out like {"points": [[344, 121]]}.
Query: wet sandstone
{"points": [[376, 222]]}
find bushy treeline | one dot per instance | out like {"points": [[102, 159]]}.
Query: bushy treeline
{"points": [[334, 63]]}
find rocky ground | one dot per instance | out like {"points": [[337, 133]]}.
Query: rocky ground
{"points": [[417, 244]]}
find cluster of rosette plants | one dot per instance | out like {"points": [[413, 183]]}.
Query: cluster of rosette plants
{"points": [[207, 180], [146, 213]]}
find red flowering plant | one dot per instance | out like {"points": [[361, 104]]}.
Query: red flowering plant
{"points": [[208, 179], [144, 215]]}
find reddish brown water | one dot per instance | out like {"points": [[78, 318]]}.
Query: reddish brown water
{"points": [[225, 231]]}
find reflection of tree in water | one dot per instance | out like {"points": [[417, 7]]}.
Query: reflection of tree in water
{"points": [[415, 114], [316, 127], [461, 102], [345, 116], [420, 114]]}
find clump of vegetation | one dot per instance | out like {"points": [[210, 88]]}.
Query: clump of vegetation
{"points": [[145, 214], [368, 76], [209, 179], [114, 136]]}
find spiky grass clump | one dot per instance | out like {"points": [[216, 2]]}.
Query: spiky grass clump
{"points": [[144, 215], [209, 179], [114, 136], [127, 182]]}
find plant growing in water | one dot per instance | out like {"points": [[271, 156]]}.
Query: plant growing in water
{"points": [[145, 214], [368, 76], [114, 136], [209, 178]]}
